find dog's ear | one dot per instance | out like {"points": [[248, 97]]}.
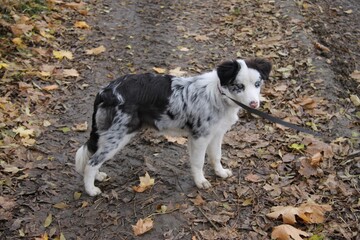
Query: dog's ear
{"points": [[227, 71], [261, 65]]}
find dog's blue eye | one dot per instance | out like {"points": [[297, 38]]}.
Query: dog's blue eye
{"points": [[257, 84]]}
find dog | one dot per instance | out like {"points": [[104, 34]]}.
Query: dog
{"points": [[198, 107]]}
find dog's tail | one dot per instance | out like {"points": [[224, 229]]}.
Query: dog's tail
{"points": [[85, 152]]}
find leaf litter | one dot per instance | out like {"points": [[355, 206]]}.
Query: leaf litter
{"points": [[259, 153]]}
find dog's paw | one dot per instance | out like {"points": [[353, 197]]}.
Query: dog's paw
{"points": [[100, 176], [203, 184], [223, 173], [93, 191]]}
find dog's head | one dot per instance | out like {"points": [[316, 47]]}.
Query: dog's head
{"points": [[242, 79]]}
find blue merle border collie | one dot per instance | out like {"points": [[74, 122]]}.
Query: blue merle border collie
{"points": [[198, 107]]}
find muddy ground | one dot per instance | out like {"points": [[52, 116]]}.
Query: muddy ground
{"points": [[141, 35]]}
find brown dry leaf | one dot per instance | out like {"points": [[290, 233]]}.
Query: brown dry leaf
{"points": [[70, 73], [198, 201], [306, 169], [143, 226], [48, 220], [19, 29], [316, 159], [95, 51], [253, 178], [177, 72], [314, 146], [179, 140], [321, 47], [355, 100], [7, 203], [60, 205], [81, 24], [81, 127], [159, 70], [355, 75], [50, 87], [75, 5], [307, 102], [288, 213], [201, 38], [287, 232], [146, 182], [313, 212]]}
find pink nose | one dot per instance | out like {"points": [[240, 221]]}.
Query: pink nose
{"points": [[254, 104]]}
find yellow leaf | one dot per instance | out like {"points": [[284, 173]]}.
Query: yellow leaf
{"points": [[96, 51], [159, 70], [23, 132], [145, 183], [285, 231], [28, 141], [81, 24], [62, 53], [46, 35], [48, 220], [3, 65], [142, 226], [18, 41], [77, 195]]}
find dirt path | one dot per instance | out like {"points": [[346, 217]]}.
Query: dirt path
{"points": [[197, 35]]}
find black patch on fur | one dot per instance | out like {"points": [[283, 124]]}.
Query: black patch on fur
{"points": [[261, 65], [144, 97], [94, 136], [227, 72]]}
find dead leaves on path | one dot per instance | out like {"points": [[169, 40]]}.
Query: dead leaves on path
{"points": [[308, 212]]}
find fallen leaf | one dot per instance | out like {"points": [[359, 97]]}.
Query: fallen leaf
{"points": [[198, 201], [355, 75], [82, 25], [81, 127], [179, 140], [146, 182], [60, 205], [314, 212], [355, 100], [253, 178], [306, 169], [177, 72], [3, 65], [48, 220], [288, 213], [201, 38], [159, 70], [62, 53], [142, 226], [77, 195], [321, 47], [316, 159], [50, 87], [23, 132], [96, 51], [287, 232], [7, 203], [19, 29], [297, 147], [70, 73]]}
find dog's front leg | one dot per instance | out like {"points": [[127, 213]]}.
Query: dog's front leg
{"points": [[214, 153], [197, 149]]}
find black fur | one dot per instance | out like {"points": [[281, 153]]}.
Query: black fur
{"points": [[261, 65], [227, 72]]}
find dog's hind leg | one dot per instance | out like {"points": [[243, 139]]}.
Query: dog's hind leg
{"points": [[214, 153], [110, 143], [197, 149]]}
